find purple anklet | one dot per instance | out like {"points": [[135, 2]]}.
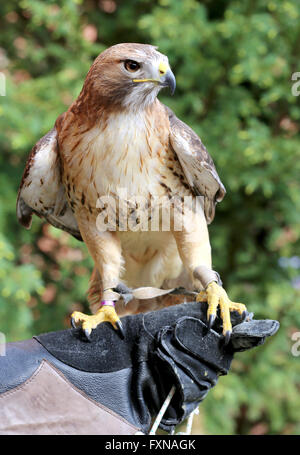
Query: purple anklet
{"points": [[107, 303]]}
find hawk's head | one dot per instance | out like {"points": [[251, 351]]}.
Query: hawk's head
{"points": [[129, 75]]}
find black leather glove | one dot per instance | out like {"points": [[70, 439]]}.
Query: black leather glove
{"points": [[132, 377]]}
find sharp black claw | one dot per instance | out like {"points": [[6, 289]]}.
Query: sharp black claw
{"points": [[73, 324], [87, 334], [211, 320], [120, 329], [227, 337]]}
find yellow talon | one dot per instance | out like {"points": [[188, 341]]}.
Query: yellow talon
{"points": [[216, 296], [107, 313]]}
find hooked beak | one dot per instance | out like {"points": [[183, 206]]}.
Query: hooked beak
{"points": [[168, 80]]}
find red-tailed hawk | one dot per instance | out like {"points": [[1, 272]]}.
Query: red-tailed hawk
{"points": [[118, 143]]}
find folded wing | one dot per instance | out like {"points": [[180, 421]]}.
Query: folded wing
{"points": [[197, 165], [41, 190]]}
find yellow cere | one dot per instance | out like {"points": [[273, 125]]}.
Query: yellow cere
{"points": [[163, 68]]}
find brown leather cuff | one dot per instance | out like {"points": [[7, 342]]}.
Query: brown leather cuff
{"points": [[206, 276], [47, 403]]}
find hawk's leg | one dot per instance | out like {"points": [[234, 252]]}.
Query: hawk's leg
{"points": [[195, 252], [105, 249]]}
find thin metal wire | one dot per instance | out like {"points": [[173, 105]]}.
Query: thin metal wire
{"points": [[189, 424], [162, 411], [190, 421]]}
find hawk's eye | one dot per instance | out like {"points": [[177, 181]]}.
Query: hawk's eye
{"points": [[132, 66]]}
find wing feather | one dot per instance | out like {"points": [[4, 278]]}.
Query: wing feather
{"points": [[41, 190], [197, 165]]}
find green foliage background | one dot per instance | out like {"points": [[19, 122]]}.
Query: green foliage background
{"points": [[233, 61]]}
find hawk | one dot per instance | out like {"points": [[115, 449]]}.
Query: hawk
{"points": [[118, 137]]}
